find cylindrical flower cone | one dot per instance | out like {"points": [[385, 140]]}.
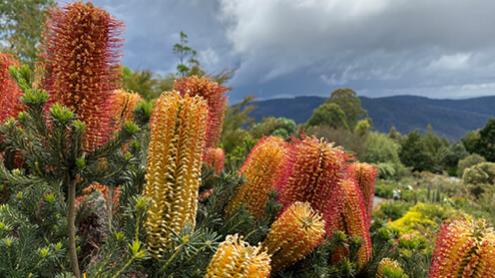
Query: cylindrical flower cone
{"points": [[464, 248], [10, 93], [123, 106], [215, 159], [387, 265], [364, 175], [236, 258], [80, 59], [173, 174], [261, 170], [214, 94], [294, 235]]}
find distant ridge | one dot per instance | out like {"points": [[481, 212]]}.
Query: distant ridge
{"points": [[450, 117]]}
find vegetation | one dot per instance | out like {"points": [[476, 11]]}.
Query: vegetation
{"points": [[107, 172]]}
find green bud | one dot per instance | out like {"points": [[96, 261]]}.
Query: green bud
{"points": [[58, 246], [61, 113], [131, 128], [119, 236], [19, 196], [136, 250], [79, 125], [81, 163], [22, 116], [34, 97], [43, 252], [7, 241], [141, 203], [50, 198]]}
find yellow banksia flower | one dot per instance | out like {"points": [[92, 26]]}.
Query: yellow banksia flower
{"points": [[261, 170], [464, 248], [388, 268], [123, 106], [236, 258], [173, 174], [364, 175], [295, 234]]}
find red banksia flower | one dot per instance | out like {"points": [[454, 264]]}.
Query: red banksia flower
{"points": [[123, 106], [388, 267], [236, 258], [295, 234], [464, 249], [215, 158], [261, 170], [173, 173], [364, 175], [80, 58], [346, 212], [10, 93], [214, 94], [315, 167]]}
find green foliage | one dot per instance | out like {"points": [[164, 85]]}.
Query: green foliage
{"points": [[350, 104], [330, 115], [482, 173], [349, 140], [451, 157], [282, 127], [468, 162], [149, 86], [379, 148], [21, 26], [470, 140], [484, 145], [363, 127]]}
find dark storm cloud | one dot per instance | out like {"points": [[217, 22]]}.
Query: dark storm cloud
{"points": [[440, 48]]}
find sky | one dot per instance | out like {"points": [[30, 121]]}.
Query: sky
{"points": [[286, 48]]}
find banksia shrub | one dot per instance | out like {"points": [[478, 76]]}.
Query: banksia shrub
{"points": [[261, 170], [388, 268], [80, 58], [123, 106], [464, 249], [10, 93], [315, 168], [177, 131], [214, 94], [215, 159], [364, 175], [236, 258], [346, 212], [295, 234]]}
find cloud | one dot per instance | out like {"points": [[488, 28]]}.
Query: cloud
{"points": [[440, 48], [373, 45]]}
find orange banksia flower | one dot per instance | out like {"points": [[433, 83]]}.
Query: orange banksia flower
{"points": [[80, 58], [10, 93], [346, 212], [261, 170], [315, 168], [236, 258], [364, 175], [123, 106], [215, 159], [464, 249], [295, 234], [214, 94], [173, 174]]}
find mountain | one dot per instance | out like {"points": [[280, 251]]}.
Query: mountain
{"points": [[450, 117]]}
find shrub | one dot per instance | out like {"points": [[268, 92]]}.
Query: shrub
{"points": [[468, 162], [482, 173]]}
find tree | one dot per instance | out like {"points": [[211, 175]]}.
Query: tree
{"points": [[350, 103], [452, 156], [328, 114], [413, 153], [282, 127], [21, 26], [485, 144], [470, 140], [188, 60]]}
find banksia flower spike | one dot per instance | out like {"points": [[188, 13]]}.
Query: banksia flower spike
{"points": [[261, 170], [236, 258], [464, 249], [295, 234], [214, 94], [10, 93], [346, 212], [177, 132], [123, 106], [315, 168], [215, 159], [364, 175], [388, 268], [80, 58]]}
